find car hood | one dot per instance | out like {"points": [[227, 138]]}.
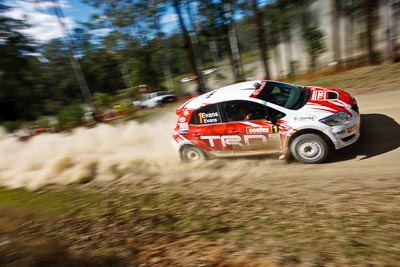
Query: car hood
{"points": [[320, 94], [328, 99]]}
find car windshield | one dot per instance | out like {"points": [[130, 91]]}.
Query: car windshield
{"points": [[283, 94]]}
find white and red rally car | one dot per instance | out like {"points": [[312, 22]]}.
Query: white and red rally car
{"points": [[261, 117]]}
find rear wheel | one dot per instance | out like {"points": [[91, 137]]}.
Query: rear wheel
{"points": [[309, 148], [192, 153]]}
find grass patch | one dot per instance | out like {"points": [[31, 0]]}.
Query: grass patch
{"points": [[58, 202], [356, 80], [103, 221]]}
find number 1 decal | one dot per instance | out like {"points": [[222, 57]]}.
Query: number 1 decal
{"points": [[200, 117], [275, 129]]}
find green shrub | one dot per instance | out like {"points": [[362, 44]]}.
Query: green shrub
{"points": [[70, 116], [10, 126]]}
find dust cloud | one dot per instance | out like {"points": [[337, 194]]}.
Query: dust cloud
{"points": [[130, 152], [103, 153]]}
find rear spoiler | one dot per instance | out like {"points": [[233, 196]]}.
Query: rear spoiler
{"points": [[182, 107]]}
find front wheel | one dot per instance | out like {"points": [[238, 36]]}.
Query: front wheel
{"points": [[309, 148], [192, 153]]}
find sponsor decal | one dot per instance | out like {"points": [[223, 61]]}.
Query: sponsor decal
{"points": [[352, 128], [258, 130], [183, 128], [305, 118], [185, 113], [182, 119], [259, 88], [319, 95], [233, 139], [211, 117]]}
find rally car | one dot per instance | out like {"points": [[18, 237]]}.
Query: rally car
{"points": [[262, 117]]}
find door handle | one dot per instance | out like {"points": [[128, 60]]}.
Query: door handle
{"points": [[196, 134], [233, 132]]}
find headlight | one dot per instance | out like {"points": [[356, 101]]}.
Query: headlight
{"points": [[339, 118]]}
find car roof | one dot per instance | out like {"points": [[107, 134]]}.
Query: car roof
{"points": [[237, 91]]}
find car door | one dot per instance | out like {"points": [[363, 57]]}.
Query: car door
{"points": [[206, 130], [248, 129]]}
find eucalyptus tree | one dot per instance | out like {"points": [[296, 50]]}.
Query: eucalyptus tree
{"points": [[190, 44], [76, 66], [287, 10], [364, 13], [214, 28], [336, 16], [392, 14], [352, 10], [103, 71], [219, 21], [370, 9], [21, 87], [131, 38], [389, 6], [273, 22], [230, 7], [311, 33], [259, 20], [60, 76], [349, 31], [155, 10]]}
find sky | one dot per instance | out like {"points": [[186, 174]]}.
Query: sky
{"points": [[44, 24]]}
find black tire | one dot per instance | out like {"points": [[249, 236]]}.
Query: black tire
{"points": [[192, 154], [309, 148]]}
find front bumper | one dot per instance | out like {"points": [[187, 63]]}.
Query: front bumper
{"points": [[345, 135]]}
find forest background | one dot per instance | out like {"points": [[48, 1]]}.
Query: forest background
{"points": [[60, 79]]}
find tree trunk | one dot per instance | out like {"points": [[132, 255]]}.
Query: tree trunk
{"points": [[125, 75], [214, 51], [278, 61], [335, 32], [235, 53], [288, 52], [189, 48], [76, 66], [165, 57], [369, 8], [351, 34], [390, 38], [284, 8], [262, 44], [196, 50], [237, 67]]}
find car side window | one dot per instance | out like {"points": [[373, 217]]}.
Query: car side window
{"points": [[206, 115], [261, 112], [246, 110], [237, 110]]}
